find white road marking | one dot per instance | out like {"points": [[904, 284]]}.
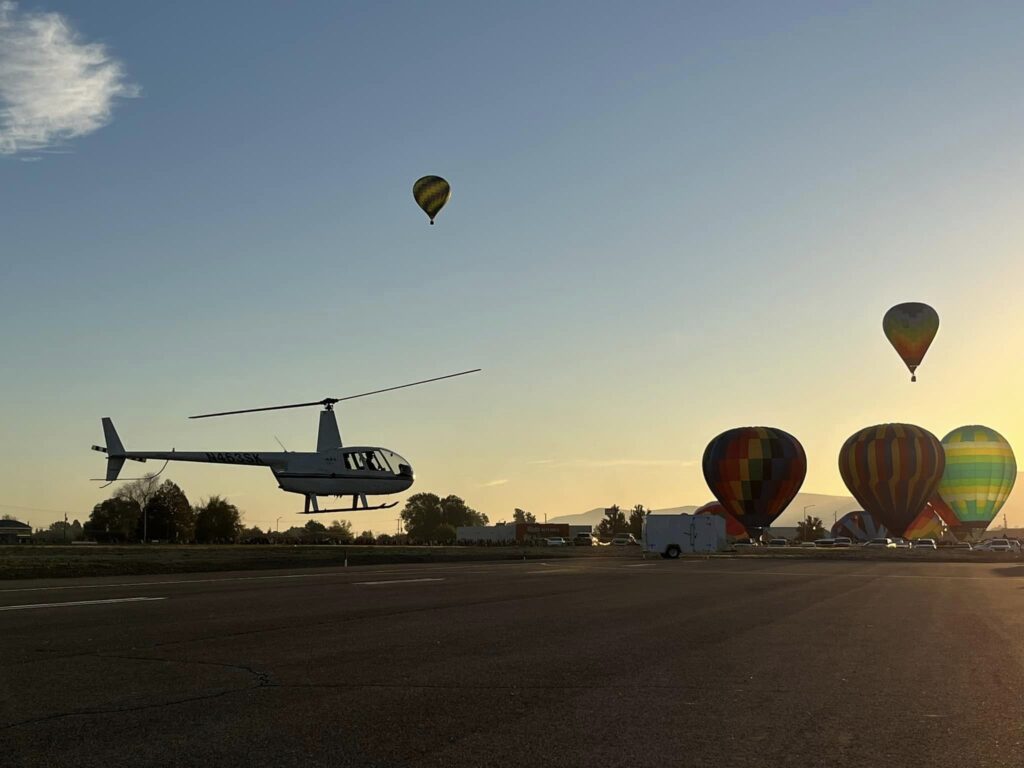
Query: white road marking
{"points": [[555, 570], [79, 602], [639, 565], [393, 581]]}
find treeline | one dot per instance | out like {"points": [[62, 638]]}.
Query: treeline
{"points": [[149, 510], [615, 521]]}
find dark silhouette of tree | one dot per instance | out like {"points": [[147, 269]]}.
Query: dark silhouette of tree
{"points": [[116, 519], [614, 522], [315, 526], [522, 516], [636, 519], [341, 531], [140, 492], [217, 521], [429, 518], [169, 515], [810, 529]]}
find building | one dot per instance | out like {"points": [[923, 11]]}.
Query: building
{"points": [[15, 532], [510, 533]]}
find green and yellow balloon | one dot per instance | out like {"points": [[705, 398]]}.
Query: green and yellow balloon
{"points": [[431, 193], [979, 475]]}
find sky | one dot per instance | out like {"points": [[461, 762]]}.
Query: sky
{"points": [[667, 220]]}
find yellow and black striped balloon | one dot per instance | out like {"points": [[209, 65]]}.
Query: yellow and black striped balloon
{"points": [[431, 193]]}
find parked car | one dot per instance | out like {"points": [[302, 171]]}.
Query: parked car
{"points": [[826, 542], [842, 541], [924, 544], [961, 545], [778, 543], [585, 540], [744, 544], [881, 543], [623, 539], [999, 545], [555, 541], [901, 543], [807, 545]]}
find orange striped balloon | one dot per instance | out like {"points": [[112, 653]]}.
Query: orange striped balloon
{"points": [[892, 470]]}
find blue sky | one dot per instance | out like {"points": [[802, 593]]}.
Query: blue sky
{"points": [[667, 219]]}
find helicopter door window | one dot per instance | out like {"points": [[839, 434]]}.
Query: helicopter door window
{"points": [[371, 462], [353, 461]]}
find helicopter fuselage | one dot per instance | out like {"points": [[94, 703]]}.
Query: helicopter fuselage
{"points": [[338, 472]]}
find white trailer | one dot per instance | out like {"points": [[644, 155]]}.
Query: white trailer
{"points": [[674, 535]]}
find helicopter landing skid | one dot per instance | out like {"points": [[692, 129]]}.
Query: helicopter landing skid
{"points": [[356, 506]]}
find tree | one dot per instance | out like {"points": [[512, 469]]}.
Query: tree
{"points": [[522, 516], [140, 492], [614, 522], [366, 537], [315, 526], [810, 529], [636, 519], [217, 522], [341, 531], [116, 519], [429, 518], [168, 514]]}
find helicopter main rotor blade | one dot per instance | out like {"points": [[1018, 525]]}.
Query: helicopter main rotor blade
{"points": [[254, 410], [403, 386], [329, 401]]}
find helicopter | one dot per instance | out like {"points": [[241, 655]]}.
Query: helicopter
{"points": [[332, 470]]}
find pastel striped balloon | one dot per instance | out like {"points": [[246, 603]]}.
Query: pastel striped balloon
{"points": [[979, 475], [892, 470]]}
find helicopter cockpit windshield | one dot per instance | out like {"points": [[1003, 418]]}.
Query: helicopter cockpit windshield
{"points": [[376, 460]]}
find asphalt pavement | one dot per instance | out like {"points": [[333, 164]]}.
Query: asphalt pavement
{"points": [[596, 662]]}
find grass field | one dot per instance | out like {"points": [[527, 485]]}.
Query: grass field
{"points": [[46, 561]]}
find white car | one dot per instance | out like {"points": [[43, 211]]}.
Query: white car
{"points": [[901, 543], [826, 543], [556, 541], [924, 544], [882, 543], [842, 541], [999, 545]]}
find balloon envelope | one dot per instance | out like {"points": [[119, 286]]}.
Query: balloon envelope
{"points": [[910, 328], [754, 472], [431, 193], [979, 475], [948, 517], [892, 470], [859, 526], [733, 527], [926, 525]]}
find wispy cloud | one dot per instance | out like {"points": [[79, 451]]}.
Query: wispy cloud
{"points": [[53, 85], [493, 483]]}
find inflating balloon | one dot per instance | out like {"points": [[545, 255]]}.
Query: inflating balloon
{"points": [[947, 515], [979, 475], [859, 526], [733, 528], [431, 193], [910, 328], [926, 525], [754, 472], [892, 470]]}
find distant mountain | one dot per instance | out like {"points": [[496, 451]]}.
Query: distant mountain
{"points": [[821, 505]]}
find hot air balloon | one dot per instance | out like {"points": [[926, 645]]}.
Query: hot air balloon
{"points": [[431, 193], [733, 528], [754, 472], [910, 328], [979, 475], [859, 526], [927, 525], [892, 470], [948, 517]]}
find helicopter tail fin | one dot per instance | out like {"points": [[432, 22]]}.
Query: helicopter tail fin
{"points": [[115, 449]]}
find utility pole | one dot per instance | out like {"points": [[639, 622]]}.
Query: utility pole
{"points": [[66, 526], [277, 525]]}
